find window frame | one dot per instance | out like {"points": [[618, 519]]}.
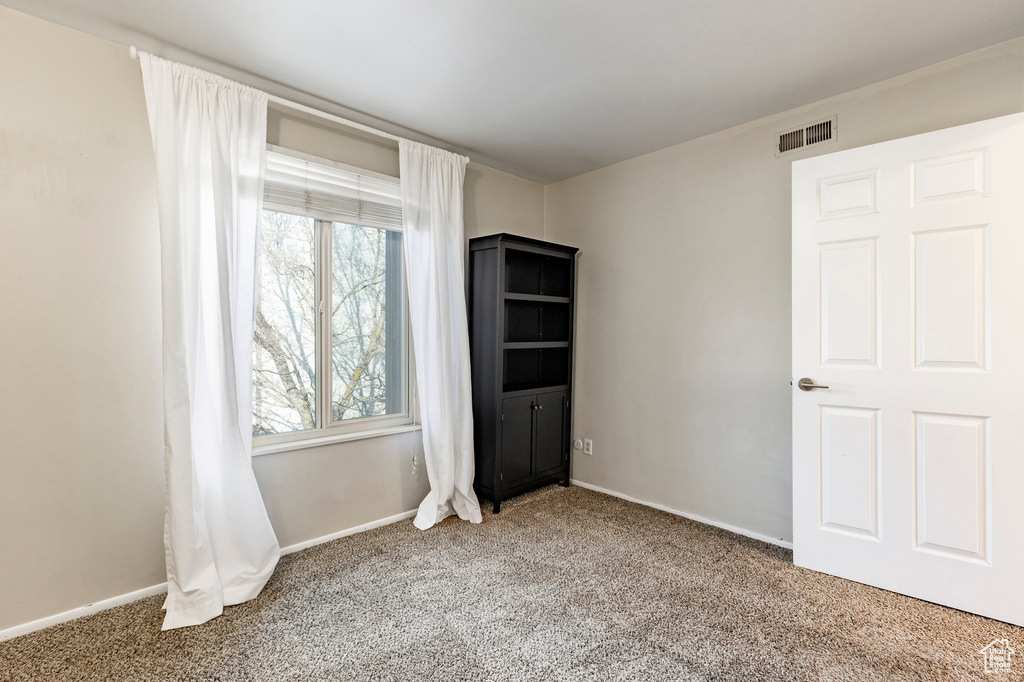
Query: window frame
{"points": [[327, 429]]}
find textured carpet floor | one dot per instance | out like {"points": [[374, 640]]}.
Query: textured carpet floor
{"points": [[564, 584]]}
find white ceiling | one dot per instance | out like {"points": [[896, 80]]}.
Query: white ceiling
{"points": [[548, 89]]}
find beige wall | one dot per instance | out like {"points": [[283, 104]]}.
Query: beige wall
{"points": [[683, 362], [81, 479], [81, 469]]}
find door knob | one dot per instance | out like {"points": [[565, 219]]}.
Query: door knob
{"points": [[806, 384]]}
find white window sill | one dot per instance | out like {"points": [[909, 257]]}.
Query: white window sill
{"points": [[303, 443]]}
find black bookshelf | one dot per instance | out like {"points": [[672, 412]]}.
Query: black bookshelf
{"points": [[521, 311]]}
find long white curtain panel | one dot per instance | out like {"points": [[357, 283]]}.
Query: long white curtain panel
{"points": [[209, 138], [432, 182]]}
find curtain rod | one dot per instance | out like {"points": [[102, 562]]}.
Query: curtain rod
{"points": [[134, 54]]}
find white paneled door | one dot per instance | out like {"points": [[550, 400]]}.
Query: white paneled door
{"points": [[908, 313]]}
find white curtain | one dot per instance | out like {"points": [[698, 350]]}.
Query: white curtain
{"points": [[434, 251], [209, 139]]}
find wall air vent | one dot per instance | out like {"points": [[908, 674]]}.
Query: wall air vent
{"points": [[810, 135]]}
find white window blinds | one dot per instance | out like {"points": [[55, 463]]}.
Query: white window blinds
{"points": [[331, 192]]}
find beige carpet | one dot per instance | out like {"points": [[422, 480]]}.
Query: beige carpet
{"points": [[564, 584]]}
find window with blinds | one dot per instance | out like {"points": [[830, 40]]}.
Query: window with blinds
{"points": [[327, 191], [331, 344]]}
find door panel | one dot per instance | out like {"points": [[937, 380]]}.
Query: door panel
{"points": [[849, 470], [849, 302], [957, 176], [516, 438], [951, 299], [952, 460], [550, 431], [847, 195], [907, 299]]}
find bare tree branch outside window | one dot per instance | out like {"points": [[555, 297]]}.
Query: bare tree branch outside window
{"points": [[284, 359], [284, 374]]}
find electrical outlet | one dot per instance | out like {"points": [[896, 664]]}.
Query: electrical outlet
{"points": [[414, 464], [588, 446]]}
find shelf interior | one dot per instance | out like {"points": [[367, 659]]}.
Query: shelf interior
{"points": [[530, 321], [535, 368], [527, 272]]}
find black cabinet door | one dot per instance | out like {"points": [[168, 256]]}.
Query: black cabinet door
{"points": [[516, 438], [550, 431]]}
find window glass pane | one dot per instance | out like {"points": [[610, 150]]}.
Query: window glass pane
{"points": [[366, 325], [284, 364]]}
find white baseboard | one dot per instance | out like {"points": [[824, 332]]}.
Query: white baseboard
{"points": [[87, 610], [120, 600], [693, 517], [348, 531]]}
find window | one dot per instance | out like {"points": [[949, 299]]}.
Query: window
{"points": [[331, 343]]}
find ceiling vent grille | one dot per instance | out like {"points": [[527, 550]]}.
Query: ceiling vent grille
{"points": [[810, 135]]}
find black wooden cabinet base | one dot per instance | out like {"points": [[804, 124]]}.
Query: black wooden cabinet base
{"points": [[513, 492], [521, 311]]}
